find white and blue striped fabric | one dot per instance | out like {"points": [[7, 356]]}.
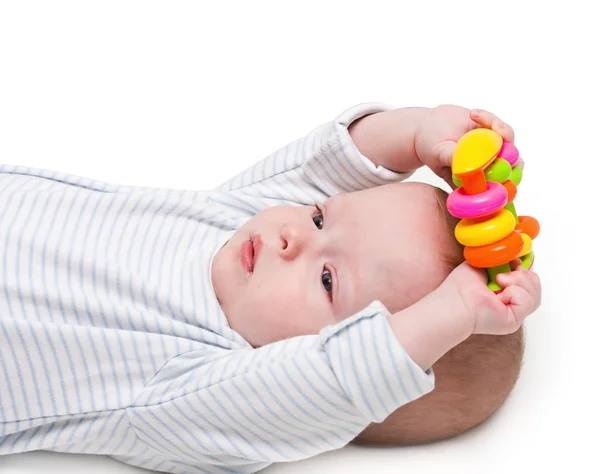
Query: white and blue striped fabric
{"points": [[112, 341]]}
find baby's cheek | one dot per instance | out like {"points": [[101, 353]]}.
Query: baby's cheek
{"points": [[277, 305], [279, 315]]}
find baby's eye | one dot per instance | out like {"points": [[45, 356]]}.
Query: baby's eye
{"points": [[318, 218], [326, 279]]}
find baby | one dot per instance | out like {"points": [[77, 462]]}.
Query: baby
{"points": [[268, 320]]}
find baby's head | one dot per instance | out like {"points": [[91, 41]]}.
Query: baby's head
{"points": [[313, 268], [393, 243]]}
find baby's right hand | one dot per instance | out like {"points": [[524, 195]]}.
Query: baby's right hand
{"points": [[491, 313]]}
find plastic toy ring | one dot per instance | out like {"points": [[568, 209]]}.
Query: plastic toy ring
{"points": [[527, 261], [510, 153], [472, 233], [527, 245], [511, 189], [471, 206], [516, 175], [528, 225], [496, 253]]}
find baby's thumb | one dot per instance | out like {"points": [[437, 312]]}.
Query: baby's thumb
{"points": [[445, 150]]}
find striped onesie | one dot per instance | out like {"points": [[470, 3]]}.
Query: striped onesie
{"points": [[112, 341]]}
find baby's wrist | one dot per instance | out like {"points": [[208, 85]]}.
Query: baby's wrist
{"points": [[431, 327], [458, 312]]}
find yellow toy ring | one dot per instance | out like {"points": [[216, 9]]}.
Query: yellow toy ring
{"points": [[471, 233], [527, 244]]}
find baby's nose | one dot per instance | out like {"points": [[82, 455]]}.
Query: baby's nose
{"points": [[294, 239]]}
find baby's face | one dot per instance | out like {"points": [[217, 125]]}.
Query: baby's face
{"points": [[308, 269]]}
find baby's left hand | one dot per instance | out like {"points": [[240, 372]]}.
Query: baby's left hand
{"points": [[438, 133]]}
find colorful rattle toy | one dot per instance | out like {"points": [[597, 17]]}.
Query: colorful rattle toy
{"points": [[485, 169]]}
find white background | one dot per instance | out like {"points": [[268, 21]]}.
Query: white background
{"points": [[186, 94]]}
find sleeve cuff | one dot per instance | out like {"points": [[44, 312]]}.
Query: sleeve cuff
{"points": [[374, 370]]}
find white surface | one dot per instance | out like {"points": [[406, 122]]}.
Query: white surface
{"points": [[137, 93]]}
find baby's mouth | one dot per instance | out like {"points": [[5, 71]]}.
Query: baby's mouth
{"points": [[249, 252], [247, 256]]}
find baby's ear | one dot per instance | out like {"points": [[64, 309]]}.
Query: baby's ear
{"points": [[472, 381]]}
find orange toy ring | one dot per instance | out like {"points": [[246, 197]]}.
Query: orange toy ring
{"points": [[495, 254], [511, 188], [528, 225]]}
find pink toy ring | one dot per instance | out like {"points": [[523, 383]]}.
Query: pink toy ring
{"points": [[510, 153], [465, 206]]}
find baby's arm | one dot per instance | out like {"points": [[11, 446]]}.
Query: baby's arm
{"points": [[403, 140], [432, 326], [365, 146], [388, 138], [286, 401], [319, 165]]}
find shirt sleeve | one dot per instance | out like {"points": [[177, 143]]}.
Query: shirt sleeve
{"points": [[322, 164], [283, 402]]}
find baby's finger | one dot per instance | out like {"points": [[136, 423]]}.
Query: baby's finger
{"points": [[528, 280], [520, 302], [515, 264], [489, 120], [518, 277]]}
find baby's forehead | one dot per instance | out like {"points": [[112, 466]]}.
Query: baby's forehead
{"points": [[390, 196], [404, 204]]}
